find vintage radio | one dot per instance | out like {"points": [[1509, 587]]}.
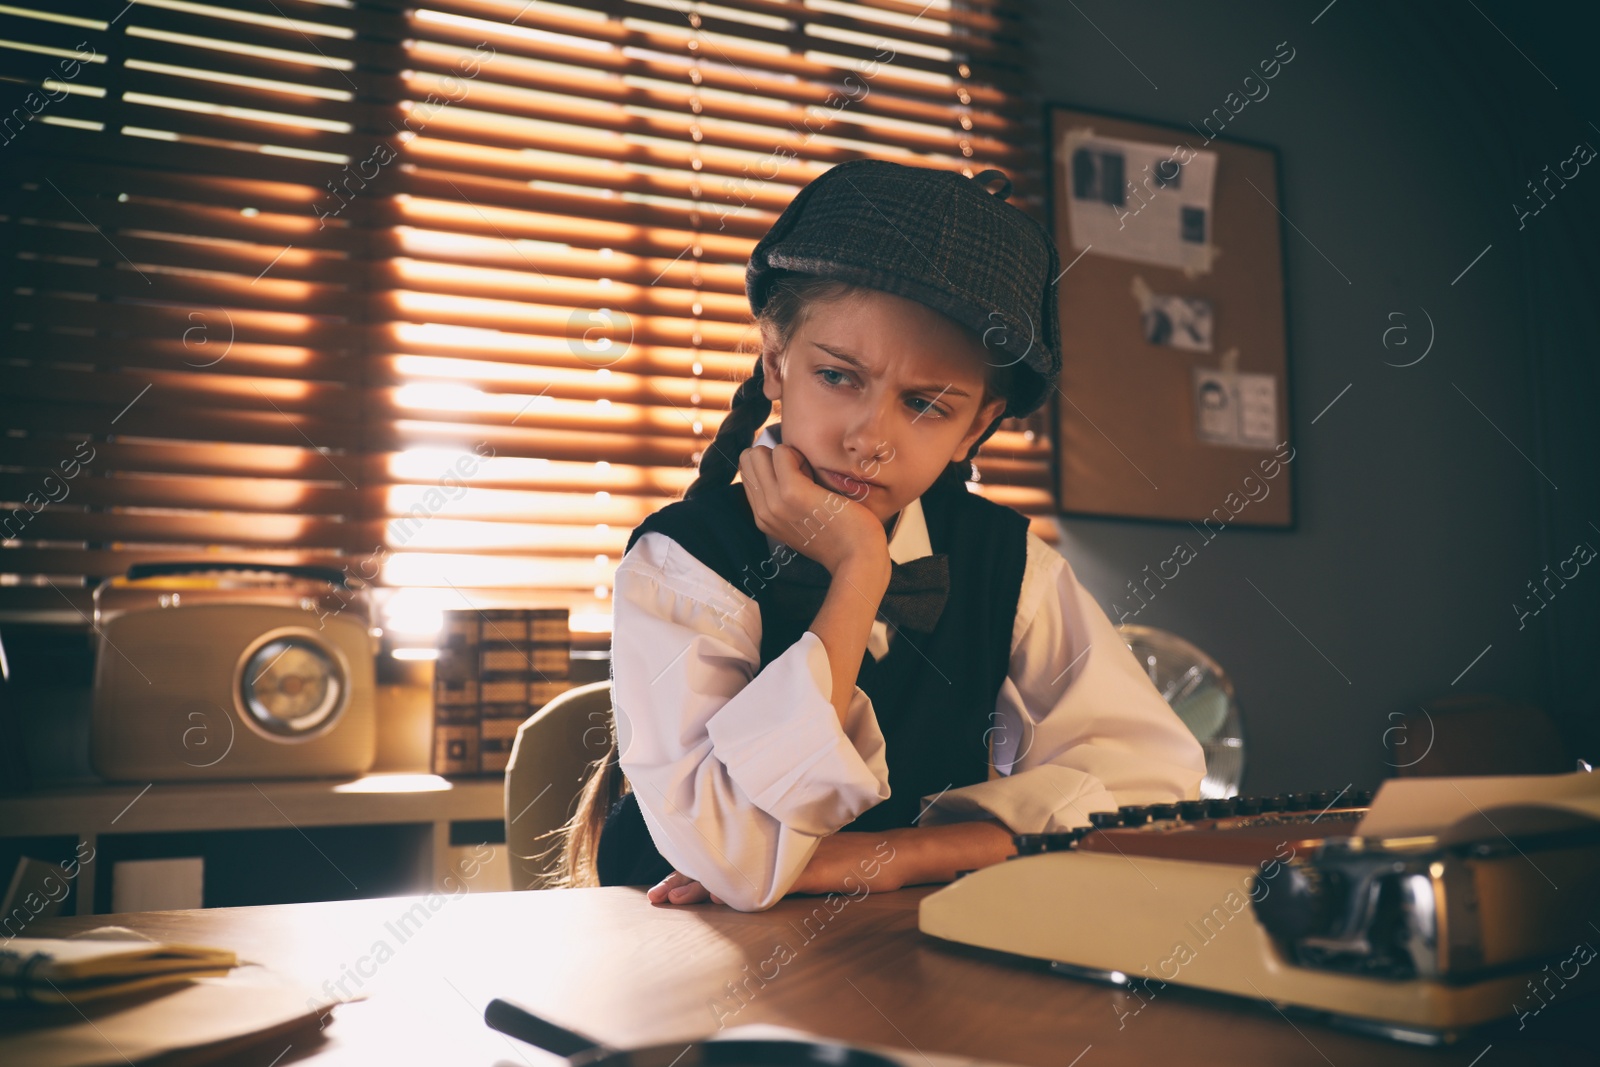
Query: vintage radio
{"points": [[217, 670], [1423, 915]]}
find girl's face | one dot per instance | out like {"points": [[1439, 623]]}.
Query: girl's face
{"points": [[881, 389]]}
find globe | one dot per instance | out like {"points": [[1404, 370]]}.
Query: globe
{"points": [[1199, 692]]}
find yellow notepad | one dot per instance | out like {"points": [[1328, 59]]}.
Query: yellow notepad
{"points": [[57, 971]]}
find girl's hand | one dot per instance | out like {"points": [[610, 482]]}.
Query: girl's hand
{"points": [[790, 505], [678, 888]]}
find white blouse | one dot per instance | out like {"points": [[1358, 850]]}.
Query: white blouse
{"points": [[740, 772]]}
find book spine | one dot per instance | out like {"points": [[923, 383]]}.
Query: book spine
{"points": [[496, 668]]}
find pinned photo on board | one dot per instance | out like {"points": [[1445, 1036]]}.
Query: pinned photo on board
{"points": [[1176, 321], [1236, 410]]}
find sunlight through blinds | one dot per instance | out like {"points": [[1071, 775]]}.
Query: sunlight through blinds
{"points": [[446, 295]]}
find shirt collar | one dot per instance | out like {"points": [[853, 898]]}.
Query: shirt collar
{"points": [[909, 540]]}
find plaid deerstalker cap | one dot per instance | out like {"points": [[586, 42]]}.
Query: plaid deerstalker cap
{"points": [[937, 237]]}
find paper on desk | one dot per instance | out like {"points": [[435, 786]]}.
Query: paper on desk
{"points": [[208, 1017], [55, 970], [1472, 809]]}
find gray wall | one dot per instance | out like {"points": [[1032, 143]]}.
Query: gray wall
{"points": [[1405, 133]]}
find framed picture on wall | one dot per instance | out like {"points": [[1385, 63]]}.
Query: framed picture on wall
{"points": [[1174, 384]]}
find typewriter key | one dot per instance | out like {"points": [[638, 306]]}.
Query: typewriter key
{"points": [[1033, 844]]}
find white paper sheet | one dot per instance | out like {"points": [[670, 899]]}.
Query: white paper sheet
{"points": [[1482, 808], [1139, 200]]}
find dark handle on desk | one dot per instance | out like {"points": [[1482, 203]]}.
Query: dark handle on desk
{"points": [[511, 1018]]}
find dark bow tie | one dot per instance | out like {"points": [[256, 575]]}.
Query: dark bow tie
{"points": [[915, 599]]}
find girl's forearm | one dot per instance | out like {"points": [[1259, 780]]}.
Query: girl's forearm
{"points": [[939, 853], [844, 623]]}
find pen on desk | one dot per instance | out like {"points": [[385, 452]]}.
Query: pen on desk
{"points": [[511, 1018]]}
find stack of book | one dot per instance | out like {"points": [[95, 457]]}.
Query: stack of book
{"points": [[495, 669]]}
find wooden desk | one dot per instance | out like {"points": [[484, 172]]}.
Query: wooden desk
{"points": [[609, 963]]}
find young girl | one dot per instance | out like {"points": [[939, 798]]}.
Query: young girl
{"points": [[847, 668]]}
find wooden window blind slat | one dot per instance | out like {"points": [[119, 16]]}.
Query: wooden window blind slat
{"points": [[52, 203], [192, 326], [178, 424], [208, 393], [150, 281], [256, 494], [167, 353], [180, 251]]}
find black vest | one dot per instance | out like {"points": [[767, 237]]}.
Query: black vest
{"points": [[933, 694]]}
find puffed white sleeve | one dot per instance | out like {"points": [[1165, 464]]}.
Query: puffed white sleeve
{"points": [[739, 771], [1078, 725]]}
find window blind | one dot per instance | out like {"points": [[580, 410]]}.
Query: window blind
{"points": [[448, 294]]}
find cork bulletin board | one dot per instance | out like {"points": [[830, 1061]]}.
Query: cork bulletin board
{"points": [[1174, 383]]}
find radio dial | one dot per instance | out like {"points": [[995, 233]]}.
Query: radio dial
{"points": [[290, 686]]}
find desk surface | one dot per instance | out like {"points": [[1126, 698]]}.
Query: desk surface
{"points": [[610, 964]]}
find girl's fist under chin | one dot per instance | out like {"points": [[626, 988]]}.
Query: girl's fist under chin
{"points": [[791, 505]]}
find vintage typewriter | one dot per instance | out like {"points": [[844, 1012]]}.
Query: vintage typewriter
{"points": [[1417, 914]]}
